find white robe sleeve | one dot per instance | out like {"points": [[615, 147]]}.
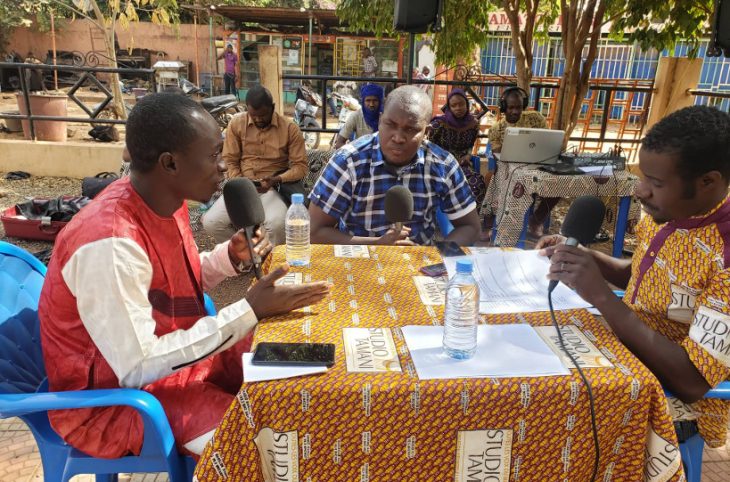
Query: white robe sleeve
{"points": [[110, 279], [216, 266]]}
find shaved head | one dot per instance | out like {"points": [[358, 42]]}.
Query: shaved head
{"points": [[403, 124], [411, 100]]}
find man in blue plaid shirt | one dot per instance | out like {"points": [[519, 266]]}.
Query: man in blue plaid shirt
{"points": [[348, 202]]}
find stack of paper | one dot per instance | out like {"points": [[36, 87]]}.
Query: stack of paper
{"points": [[502, 351], [515, 282]]}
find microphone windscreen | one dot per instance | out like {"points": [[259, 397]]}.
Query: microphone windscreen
{"points": [[398, 204], [242, 203], [584, 219]]}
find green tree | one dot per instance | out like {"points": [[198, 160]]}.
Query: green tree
{"points": [[21, 13], [464, 24], [651, 23]]}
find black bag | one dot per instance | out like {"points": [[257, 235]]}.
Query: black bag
{"points": [[286, 189], [92, 186], [58, 209], [104, 133]]}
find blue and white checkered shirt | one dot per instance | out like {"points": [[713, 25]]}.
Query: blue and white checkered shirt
{"points": [[352, 189]]}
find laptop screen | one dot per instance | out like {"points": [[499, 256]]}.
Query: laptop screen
{"points": [[532, 146]]}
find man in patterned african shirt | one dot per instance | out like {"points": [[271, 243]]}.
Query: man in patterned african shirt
{"points": [[675, 315]]}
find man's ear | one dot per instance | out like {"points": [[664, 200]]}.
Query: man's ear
{"points": [[168, 163], [710, 180]]}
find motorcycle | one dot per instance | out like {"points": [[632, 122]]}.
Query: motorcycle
{"points": [[221, 107], [349, 105], [305, 112]]}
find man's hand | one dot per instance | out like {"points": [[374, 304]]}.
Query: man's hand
{"points": [[549, 241], [267, 300], [576, 267], [267, 183], [393, 238], [238, 247]]}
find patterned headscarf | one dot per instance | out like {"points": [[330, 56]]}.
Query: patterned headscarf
{"points": [[450, 119], [371, 118]]}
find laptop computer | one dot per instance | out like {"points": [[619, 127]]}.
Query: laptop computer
{"points": [[532, 146]]}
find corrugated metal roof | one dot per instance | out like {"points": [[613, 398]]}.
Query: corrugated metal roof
{"points": [[279, 16]]}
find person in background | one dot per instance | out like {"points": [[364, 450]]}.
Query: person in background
{"points": [[369, 64], [456, 130], [122, 304], [229, 78], [269, 149], [513, 106], [365, 120], [424, 74], [348, 201], [34, 76], [675, 313]]}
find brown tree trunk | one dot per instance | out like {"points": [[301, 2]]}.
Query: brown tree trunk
{"points": [[118, 101], [577, 28], [522, 39]]}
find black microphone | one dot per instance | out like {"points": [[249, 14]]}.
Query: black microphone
{"points": [[581, 224], [398, 206], [246, 212]]}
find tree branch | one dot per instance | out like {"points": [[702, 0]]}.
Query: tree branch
{"points": [[78, 12]]}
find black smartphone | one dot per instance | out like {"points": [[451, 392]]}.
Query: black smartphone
{"points": [[256, 183], [449, 248], [311, 354], [434, 270]]}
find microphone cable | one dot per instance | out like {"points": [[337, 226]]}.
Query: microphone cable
{"points": [[594, 426]]}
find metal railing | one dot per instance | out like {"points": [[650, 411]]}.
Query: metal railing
{"points": [[88, 74], [535, 100]]}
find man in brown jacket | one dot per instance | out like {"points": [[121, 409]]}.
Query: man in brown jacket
{"points": [[267, 148]]}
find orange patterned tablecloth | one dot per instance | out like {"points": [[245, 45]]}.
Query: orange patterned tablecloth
{"points": [[342, 426]]}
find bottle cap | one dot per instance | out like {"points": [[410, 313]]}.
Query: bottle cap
{"points": [[297, 198], [464, 266]]}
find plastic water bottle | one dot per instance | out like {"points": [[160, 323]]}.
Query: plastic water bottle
{"points": [[462, 313], [298, 250]]}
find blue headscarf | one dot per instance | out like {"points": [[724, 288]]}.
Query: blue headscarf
{"points": [[371, 118]]}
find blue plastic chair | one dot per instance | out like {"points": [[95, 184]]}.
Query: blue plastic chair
{"points": [[442, 221], [24, 387], [691, 449]]}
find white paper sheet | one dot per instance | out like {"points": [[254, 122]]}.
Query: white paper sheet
{"points": [[351, 251], [515, 282], [260, 373], [502, 351]]}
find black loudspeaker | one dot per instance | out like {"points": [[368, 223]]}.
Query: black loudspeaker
{"points": [[503, 98], [722, 26], [416, 16]]}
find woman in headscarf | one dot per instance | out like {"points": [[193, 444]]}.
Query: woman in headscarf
{"points": [[365, 120], [457, 131]]}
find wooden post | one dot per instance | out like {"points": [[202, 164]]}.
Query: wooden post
{"points": [[53, 46], [674, 77], [270, 73], [197, 51]]}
